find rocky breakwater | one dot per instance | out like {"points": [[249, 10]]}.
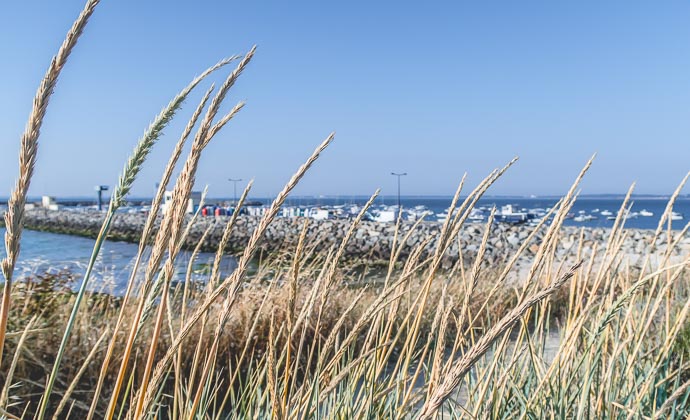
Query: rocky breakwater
{"points": [[371, 242]]}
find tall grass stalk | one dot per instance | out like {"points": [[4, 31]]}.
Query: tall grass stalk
{"points": [[125, 182], [28, 153], [167, 234], [146, 233], [180, 196]]}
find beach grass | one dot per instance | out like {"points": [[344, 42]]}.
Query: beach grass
{"points": [[589, 333]]}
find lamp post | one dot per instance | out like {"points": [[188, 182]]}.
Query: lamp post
{"points": [[99, 189], [399, 175], [234, 188]]}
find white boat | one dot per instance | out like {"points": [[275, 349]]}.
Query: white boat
{"points": [[646, 213], [584, 218], [676, 216], [626, 215], [417, 213], [476, 216], [385, 216], [507, 214], [606, 213]]}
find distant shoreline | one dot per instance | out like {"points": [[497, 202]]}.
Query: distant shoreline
{"points": [[90, 201], [370, 243]]}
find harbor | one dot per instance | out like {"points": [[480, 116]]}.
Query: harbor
{"points": [[642, 213]]}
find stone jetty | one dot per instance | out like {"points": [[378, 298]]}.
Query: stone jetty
{"points": [[371, 242]]}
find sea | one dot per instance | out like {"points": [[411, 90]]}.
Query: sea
{"points": [[51, 253], [48, 252]]}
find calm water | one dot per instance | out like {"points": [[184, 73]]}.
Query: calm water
{"points": [[43, 252]]}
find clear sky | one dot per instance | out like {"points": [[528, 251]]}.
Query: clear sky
{"points": [[431, 88]]}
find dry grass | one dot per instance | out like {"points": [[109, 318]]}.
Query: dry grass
{"points": [[333, 346], [583, 334], [28, 153]]}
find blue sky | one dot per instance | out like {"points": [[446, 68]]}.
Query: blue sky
{"points": [[431, 88]]}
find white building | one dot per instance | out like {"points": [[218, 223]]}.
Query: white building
{"points": [[319, 214], [48, 202], [192, 205]]}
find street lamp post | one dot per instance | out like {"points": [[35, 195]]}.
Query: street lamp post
{"points": [[399, 175], [99, 190], [234, 188]]}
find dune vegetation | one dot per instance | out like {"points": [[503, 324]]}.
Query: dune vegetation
{"points": [[591, 333]]}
